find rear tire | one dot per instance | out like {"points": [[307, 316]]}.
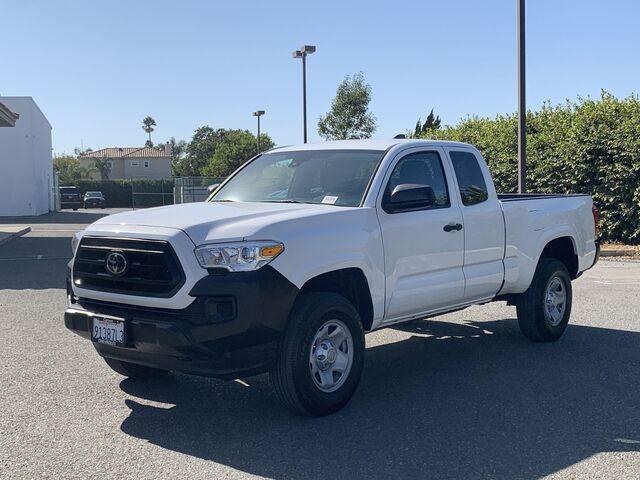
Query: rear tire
{"points": [[132, 370], [544, 309], [321, 356]]}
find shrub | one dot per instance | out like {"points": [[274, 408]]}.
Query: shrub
{"points": [[584, 146], [123, 193]]}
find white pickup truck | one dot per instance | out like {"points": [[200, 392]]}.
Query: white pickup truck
{"points": [[305, 248]]}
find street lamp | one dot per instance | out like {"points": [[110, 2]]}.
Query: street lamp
{"points": [[522, 104], [302, 53], [258, 113]]}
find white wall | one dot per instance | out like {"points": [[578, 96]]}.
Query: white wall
{"points": [[159, 167], [26, 166]]}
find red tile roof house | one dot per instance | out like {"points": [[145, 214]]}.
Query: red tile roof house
{"points": [[7, 117], [131, 162]]}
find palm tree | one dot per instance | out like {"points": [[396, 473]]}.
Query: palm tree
{"points": [[147, 125], [103, 166]]}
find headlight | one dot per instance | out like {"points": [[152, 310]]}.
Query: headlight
{"points": [[75, 241], [239, 256]]}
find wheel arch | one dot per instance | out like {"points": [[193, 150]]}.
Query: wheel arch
{"points": [[563, 249], [349, 282]]}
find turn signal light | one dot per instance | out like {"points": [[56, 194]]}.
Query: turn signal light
{"points": [[271, 251]]}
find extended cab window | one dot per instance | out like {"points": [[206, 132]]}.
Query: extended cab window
{"points": [[473, 188], [423, 168]]}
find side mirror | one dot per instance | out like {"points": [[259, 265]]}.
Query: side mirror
{"points": [[211, 188], [410, 196]]}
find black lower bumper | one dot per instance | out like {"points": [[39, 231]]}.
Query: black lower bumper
{"points": [[232, 329]]}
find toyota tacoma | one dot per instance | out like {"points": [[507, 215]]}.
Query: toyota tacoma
{"points": [[304, 249]]}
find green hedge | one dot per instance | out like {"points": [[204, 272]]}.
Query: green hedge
{"points": [[587, 146], [123, 193]]}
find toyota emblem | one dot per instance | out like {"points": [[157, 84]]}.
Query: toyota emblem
{"points": [[116, 263]]}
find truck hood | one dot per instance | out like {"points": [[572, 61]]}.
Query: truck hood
{"points": [[213, 222]]}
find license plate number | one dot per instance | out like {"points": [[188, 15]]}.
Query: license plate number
{"points": [[109, 331]]}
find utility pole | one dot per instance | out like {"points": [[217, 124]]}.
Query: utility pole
{"points": [[522, 104]]}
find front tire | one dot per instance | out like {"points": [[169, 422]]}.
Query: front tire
{"points": [[544, 309], [132, 370], [322, 355]]}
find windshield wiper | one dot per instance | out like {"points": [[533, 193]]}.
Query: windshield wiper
{"points": [[283, 201], [223, 200]]}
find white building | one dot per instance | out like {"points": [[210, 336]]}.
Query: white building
{"points": [[26, 166]]}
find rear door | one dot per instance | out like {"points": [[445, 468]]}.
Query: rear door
{"points": [[484, 233], [424, 248]]}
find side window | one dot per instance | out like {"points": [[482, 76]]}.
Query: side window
{"points": [[423, 168], [473, 188]]}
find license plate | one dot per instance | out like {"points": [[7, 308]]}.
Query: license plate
{"points": [[108, 330]]}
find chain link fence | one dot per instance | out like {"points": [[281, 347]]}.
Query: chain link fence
{"points": [[193, 189], [147, 192]]}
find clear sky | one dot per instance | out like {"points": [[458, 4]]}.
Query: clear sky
{"points": [[97, 68]]}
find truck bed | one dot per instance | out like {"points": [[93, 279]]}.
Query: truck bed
{"points": [[514, 197], [534, 219]]}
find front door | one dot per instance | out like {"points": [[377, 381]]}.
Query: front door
{"points": [[423, 249]]}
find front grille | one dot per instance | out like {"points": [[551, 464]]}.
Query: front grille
{"points": [[152, 267]]}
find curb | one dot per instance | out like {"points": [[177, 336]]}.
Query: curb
{"points": [[618, 253], [7, 237]]}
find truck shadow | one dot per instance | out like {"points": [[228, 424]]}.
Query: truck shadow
{"points": [[454, 400]]}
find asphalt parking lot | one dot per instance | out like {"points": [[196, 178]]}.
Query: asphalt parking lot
{"points": [[460, 396]]}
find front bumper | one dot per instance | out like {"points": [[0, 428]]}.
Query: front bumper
{"points": [[232, 328]]}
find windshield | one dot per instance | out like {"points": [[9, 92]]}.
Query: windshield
{"points": [[335, 177], [93, 194]]}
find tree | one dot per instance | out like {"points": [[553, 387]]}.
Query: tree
{"points": [[200, 155], [103, 166], [235, 148], [78, 152], [68, 169], [178, 147], [349, 116], [147, 125], [431, 123], [587, 146], [178, 151], [198, 151]]}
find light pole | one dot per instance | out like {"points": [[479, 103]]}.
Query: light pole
{"points": [[258, 113], [302, 53], [522, 104]]}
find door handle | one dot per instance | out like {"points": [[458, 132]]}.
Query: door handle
{"points": [[452, 226]]}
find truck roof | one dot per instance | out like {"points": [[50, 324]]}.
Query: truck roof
{"points": [[368, 144]]}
